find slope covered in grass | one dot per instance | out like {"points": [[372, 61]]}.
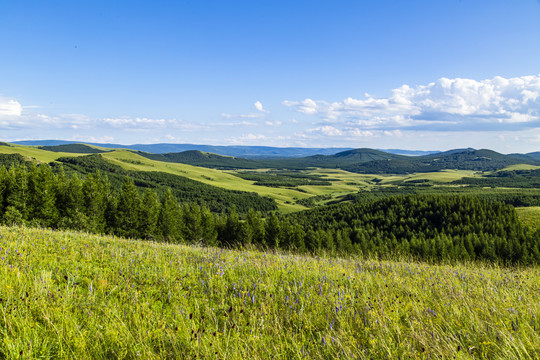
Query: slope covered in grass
{"points": [[74, 148], [73, 295]]}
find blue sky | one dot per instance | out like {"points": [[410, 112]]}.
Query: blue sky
{"points": [[384, 74]]}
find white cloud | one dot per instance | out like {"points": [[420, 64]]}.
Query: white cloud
{"points": [[273, 123], [326, 130], [355, 133], [93, 139], [251, 116], [258, 105], [447, 104], [124, 122], [249, 138], [10, 108], [307, 106]]}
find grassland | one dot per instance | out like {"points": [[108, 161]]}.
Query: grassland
{"points": [[72, 295], [529, 216], [34, 153], [343, 182], [131, 161], [520, 167]]}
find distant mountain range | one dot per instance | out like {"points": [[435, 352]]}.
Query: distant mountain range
{"points": [[249, 152], [363, 160]]}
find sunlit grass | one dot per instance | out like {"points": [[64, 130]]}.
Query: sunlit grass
{"points": [[34, 153], [285, 198], [529, 216], [75, 295]]}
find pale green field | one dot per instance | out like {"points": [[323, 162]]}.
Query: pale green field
{"points": [[444, 176], [131, 161], [32, 152], [529, 216], [68, 295], [521, 167], [346, 183]]}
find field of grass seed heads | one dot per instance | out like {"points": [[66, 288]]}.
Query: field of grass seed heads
{"points": [[66, 295]]}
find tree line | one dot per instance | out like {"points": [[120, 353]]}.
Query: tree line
{"points": [[434, 227]]}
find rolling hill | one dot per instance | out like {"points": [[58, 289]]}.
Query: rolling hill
{"points": [[199, 158], [360, 161], [74, 148], [259, 152]]}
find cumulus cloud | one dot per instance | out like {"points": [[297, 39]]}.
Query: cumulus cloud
{"points": [[447, 104], [273, 123], [258, 105], [247, 138], [125, 122], [93, 139], [261, 113], [326, 130], [10, 108]]}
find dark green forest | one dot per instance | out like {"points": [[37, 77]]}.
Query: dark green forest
{"points": [[73, 148], [182, 188], [424, 227], [283, 178], [368, 161]]}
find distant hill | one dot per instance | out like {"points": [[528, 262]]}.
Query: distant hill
{"points": [[534, 154], [199, 158], [409, 152], [359, 160], [73, 148], [461, 159], [260, 152]]}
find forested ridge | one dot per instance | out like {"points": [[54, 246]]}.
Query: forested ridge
{"points": [[366, 161], [186, 190], [427, 227]]}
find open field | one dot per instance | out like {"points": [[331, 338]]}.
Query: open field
{"points": [[520, 167], [73, 295], [32, 152], [342, 184], [444, 176], [529, 216], [131, 161]]}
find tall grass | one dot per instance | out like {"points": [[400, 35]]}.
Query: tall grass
{"points": [[75, 295]]}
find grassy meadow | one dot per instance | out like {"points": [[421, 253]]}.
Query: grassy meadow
{"points": [[74, 295], [342, 182], [529, 216], [33, 152]]}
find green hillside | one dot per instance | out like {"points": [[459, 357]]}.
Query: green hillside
{"points": [[74, 148], [360, 161], [34, 153], [217, 199], [199, 158], [377, 177], [465, 159], [68, 295]]}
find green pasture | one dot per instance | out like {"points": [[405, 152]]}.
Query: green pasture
{"points": [[520, 167], [34, 153], [131, 161], [343, 183], [69, 295], [529, 216]]}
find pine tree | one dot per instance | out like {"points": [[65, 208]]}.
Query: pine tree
{"points": [[128, 210], [95, 204], [209, 227], [230, 234], [256, 223], [273, 231], [149, 215], [169, 222]]}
